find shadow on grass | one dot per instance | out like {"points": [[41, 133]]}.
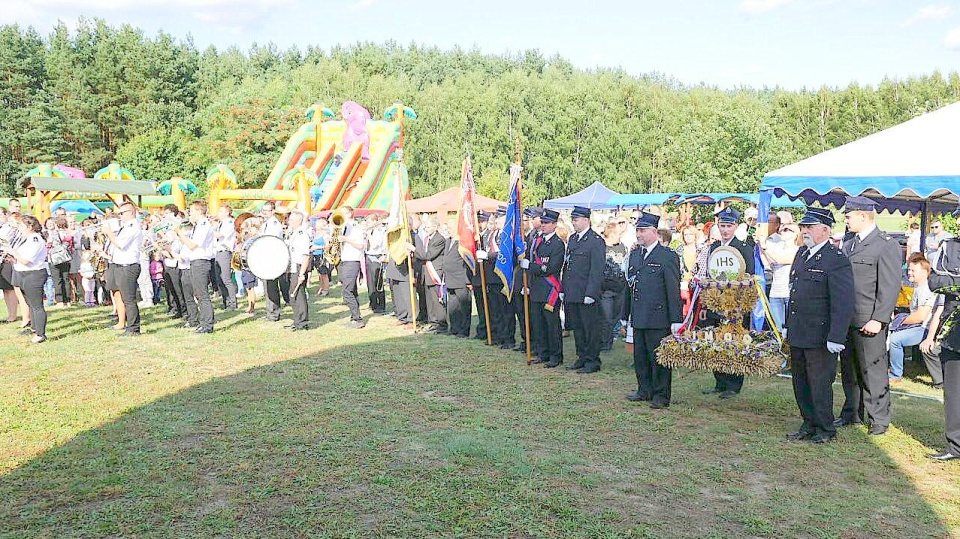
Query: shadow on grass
{"points": [[423, 436]]}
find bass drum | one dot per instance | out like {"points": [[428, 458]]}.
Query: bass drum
{"points": [[266, 257]]}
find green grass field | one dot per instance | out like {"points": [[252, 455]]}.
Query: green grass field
{"points": [[257, 432]]}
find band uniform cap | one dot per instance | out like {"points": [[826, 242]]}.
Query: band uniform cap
{"points": [[580, 211], [483, 216], [859, 204], [501, 211], [817, 216], [751, 213], [533, 212], [728, 215], [648, 220], [550, 216]]}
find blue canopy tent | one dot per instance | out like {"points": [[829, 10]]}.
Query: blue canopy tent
{"points": [[752, 198], [595, 197], [913, 166], [75, 206], [643, 199]]}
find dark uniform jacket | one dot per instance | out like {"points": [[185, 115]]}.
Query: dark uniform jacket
{"points": [[550, 252], [399, 272], [821, 298], [745, 250], [653, 298], [876, 264], [491, 240], [482, 245], [431, 250], [583, 272], [945, 280], [456, 273]]}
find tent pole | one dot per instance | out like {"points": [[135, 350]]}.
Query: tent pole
{"points": [[924, 222]]}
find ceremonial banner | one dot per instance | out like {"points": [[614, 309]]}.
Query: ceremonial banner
{"points": [[511, 237], [467, 226], [398, 229]]}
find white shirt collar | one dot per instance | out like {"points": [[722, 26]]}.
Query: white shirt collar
{"points": [[813, 250], [866, 232]]}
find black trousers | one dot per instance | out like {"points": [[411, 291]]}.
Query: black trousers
{"points": [[223, 273], [481, 317], [586, 321], [200, 279], [61, 282], [653, 379], [375, 286], [500, 311], [421, 291], [545, 332], [723, 381], [349, 271], [126, 279], [272, 290], [950, 360], [174, 286], [436, 313], [459, 310], [932, 361], [866, 383], [31, 284], [400, 293], [611, 303], [814, 370], [516, 304], [189, 298], [298, 298]]}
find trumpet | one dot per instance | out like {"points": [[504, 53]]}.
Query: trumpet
{"points": [[338, 222], [167, 226]]}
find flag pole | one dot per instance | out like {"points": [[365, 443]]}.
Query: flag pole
{"points": [[526, 277], [413, 301], [486, 304]]}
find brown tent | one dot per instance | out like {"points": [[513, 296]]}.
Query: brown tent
{"points": [[448, 201]]}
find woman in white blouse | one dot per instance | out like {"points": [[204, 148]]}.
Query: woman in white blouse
{"points": [[30, 261]]}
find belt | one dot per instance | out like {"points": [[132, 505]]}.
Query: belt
{"points": [[127, 265]]}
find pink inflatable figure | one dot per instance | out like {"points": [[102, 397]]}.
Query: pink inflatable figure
{"points": [[356, 118]]}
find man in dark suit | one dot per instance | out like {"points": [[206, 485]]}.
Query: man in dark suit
{"points": [[729, 385], [430, 249], [876, 261], [502, 324], [456, 276], [398, 276], [821, 306], [483, 219], [582, 277], [531, 229], [945, 280], [544, 263], [654, 308]]}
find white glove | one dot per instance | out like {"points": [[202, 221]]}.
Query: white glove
{"points": [[587, 300], [623, 323], [561, 296], [524, 263], [835, 348], [481, 255], [524, 291], [675, 328], [783, 333]]}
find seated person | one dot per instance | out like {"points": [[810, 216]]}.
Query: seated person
{"points": [[911, 329]]}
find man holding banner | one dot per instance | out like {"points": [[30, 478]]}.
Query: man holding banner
{"points": [[546, 259], [511, 250]]}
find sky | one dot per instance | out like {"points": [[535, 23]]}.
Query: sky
{"points": [[792, 44]]}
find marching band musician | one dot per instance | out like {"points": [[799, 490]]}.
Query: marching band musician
{"points": [[30, 262], [200, 243], [544, 263], [272, 227], [171, 270], [224, 242], [125, 245], [298, 242], [376, 259], [654, 308], [352, 246]]}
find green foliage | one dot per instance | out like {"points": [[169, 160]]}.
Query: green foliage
{"points": [[162, 107]]}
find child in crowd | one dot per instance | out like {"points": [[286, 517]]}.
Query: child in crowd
{"points": [[156, 276]]}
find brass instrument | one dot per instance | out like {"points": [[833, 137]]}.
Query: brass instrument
{"points": [[338, 222], [98, 259]]}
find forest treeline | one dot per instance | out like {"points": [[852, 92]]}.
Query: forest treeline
{"points": [[162, 107]]}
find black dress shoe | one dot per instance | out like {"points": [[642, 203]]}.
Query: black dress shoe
{"points": [[188, 325], [201, 331], [577, 365], [537, 361], [299, 328], [711, 391], [877, 430], [636, 396], [822, 438], [659, 405], [553, 364], [506, 346], [589, 369], [728, 394], [943, 457], [522, 347], [129, 334], [843, 422], [799, 435]]}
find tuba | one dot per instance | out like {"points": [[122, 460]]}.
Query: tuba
{"points": [[338, 222]]}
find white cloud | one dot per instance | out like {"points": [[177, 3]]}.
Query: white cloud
{"points": [[933, 12], [952, 41], [757, 7], [361, 5]]}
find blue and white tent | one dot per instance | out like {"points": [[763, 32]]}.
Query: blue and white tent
{"points": [[913, 166], [595, 197]]}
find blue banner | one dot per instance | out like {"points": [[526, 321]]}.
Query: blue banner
{"points": [[511, 237]]}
